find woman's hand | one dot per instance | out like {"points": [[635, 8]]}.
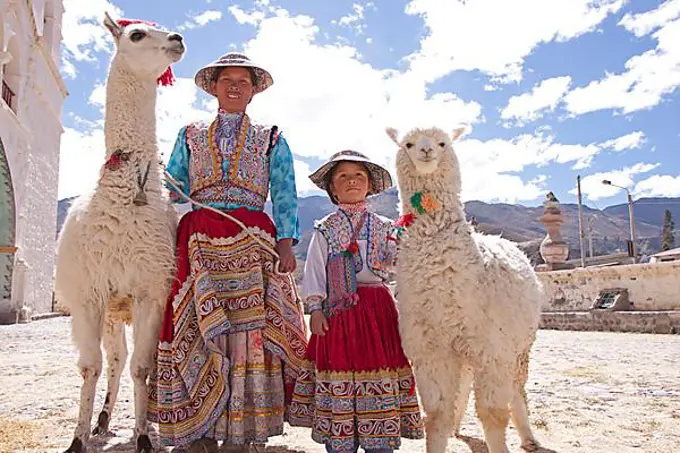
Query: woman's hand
{"points": [[318, 323], [287, 262]]}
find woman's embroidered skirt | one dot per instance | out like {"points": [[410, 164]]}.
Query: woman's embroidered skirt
{"points": [[233, 337], [357, 387]]}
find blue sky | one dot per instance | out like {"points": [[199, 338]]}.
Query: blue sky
{"points": [[549, 90]]}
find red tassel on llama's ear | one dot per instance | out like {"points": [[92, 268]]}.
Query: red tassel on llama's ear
{"points": [[167, 78]]}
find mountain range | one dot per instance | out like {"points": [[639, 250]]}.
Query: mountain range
{"points": [[609, 227]]}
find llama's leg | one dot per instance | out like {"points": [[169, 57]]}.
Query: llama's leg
{"points": [[86, 325], [146, 321], [518, 408], [435, 382], [465, 387], [116, 354], [493, 394]]}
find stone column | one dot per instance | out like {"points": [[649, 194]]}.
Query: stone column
{"points": [[553, 248]]}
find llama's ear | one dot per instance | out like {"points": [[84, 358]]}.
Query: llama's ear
{"points": [[457, 133], [115, 29], [393, 134]]}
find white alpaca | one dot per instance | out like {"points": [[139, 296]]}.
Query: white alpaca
{"points": [[469, 304], [116, 250]]}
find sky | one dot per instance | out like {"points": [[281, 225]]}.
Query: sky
{"points": [[548, 90]]}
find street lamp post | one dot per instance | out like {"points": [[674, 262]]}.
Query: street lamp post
{"points": [[631, 217]]}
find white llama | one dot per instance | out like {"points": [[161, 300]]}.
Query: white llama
{"points": [[469, 304], [116, 249]]}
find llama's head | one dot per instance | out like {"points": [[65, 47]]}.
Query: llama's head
{"points": [[426, 155], [147, 50]]}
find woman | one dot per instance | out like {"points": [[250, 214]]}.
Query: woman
{"points": [[233, 335]]}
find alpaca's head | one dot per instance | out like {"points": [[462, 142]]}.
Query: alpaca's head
{"points": [[425, 149], [147, 50], [426, 159]]}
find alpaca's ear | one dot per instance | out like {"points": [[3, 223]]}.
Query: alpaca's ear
{"points": [[393, 134], [115, 29], [457, 133]]}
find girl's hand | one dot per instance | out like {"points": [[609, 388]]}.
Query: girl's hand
{"points": [[318, 323]]}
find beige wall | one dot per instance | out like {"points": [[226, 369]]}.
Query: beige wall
{"points": [[650, 286]]}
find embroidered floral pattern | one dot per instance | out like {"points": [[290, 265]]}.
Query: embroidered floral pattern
{"points": [[379, 406], [337, 228], [205, 175]]}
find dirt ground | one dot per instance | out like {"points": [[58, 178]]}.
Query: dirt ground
{"points": [[588, 392]]}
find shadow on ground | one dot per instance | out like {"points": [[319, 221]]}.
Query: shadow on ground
{"points": [[479, 446]]}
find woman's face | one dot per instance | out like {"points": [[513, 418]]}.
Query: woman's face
{"points": [[350, 182], [233, 88]]}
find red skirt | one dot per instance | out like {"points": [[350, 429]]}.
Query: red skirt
{"points": [[357, 388], [233, 336]]}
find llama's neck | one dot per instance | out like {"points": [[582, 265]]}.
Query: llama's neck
{"points": [[130, 122], [448, 208]]}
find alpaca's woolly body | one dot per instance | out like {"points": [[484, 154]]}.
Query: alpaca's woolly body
{"points": [[469, 305], [115, 259]]}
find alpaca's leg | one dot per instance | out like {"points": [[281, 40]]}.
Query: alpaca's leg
{"points": [[465, 387], [116, 355], [86, 325], [146, 323], [436, 381], [493, 394], [518, 408]]}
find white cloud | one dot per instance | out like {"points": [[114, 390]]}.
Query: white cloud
{"points": [[207, 17], [304, 185], [201, 20], [252, 18], [592, 187], [658, 186], [647, 78], [67, 68], [531, 106], [642, 24], [340, 102], [494, 36], [82, 148], [354, 19], [170, 118], [630, 141], [83, 32], [81, 155]]}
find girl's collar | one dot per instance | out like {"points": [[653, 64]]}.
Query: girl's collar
{"points": [[352, 208]]}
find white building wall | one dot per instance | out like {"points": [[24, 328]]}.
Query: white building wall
{"points": [[31, 134]]}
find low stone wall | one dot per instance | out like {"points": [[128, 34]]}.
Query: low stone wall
{"points": [[662, 322], [652, 286]]}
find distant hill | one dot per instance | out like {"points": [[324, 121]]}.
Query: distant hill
{"points": [[647, 210], [518, 223]]}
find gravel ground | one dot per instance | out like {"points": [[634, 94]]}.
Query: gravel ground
{"points": [[588, 392]]}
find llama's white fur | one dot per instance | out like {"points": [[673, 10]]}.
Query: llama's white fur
{"points": [[469, 304], [115, 259]]}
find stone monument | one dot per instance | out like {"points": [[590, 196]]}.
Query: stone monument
{"points": [[553, 248]]}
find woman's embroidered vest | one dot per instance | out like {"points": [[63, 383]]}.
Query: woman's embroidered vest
{"points": [[247, 150], [342, 267]]}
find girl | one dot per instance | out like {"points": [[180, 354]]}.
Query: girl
{"points": [[357, 388]]}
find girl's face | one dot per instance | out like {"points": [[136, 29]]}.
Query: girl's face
{"points": [[350, 182]]}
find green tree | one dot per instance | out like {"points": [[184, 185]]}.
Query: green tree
{"points": [[667, 239]]}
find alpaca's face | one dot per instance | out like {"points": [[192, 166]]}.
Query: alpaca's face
{"points": [[147, 50], [425, 148]]}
